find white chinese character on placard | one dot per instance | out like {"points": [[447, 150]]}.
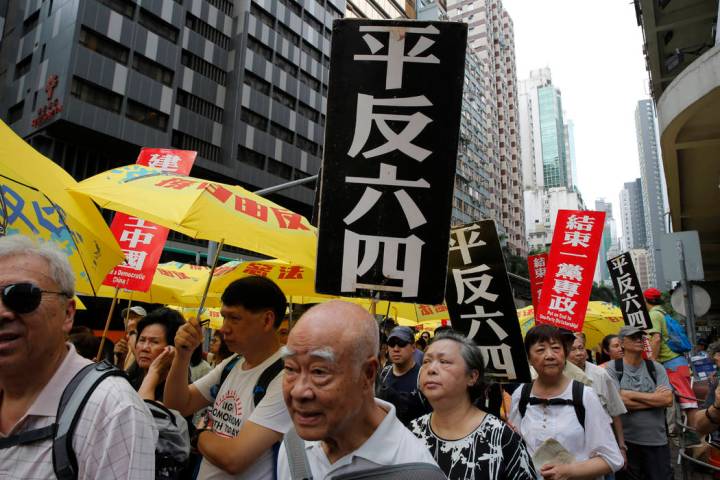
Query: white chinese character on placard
{"points": [[415, 123], [540, 271], [539, 262], [167, 162], [499, 359], [575, 239], [637, 319], [396, 57], [478, 291], [566, 287], [625, 283], [562, 304], [140, 223], [475, 323], [136, 236], [618, 263], [354, 267], [570, 271], [134, 259], [459, 241], [630, 301], [583, 224]]}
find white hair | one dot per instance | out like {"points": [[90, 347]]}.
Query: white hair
{"points": [[59, 267]]}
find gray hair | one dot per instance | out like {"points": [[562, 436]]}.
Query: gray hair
{"points": [[59, 267], [471, 355]]}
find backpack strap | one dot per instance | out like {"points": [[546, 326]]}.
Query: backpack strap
{"points": [[72, 402], [297, 457], [619, 369], [524, 398], [223, 375], [651, 370], [267, 376], [578, 405], [28, 437]]}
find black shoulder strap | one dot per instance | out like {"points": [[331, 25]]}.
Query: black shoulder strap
{"points": [[651, 370], [227, 369], [524, 398], [29, 436], [619, 368], [72, 402], [267, 376], [578, 405]]}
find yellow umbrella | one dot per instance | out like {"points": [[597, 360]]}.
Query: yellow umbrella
{"points": [[35, 202], [173, 283], [79, 305], [601, 319], [210, 315], [202, 209]]}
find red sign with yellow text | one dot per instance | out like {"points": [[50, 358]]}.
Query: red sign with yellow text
{"points": [[537, 265], [570, 269], [143, 241]]}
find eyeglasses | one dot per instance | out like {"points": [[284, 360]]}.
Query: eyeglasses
{"points": [[24, 297], [393, 342]]}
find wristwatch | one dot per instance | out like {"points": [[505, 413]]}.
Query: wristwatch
{"points": [[195, 437]]}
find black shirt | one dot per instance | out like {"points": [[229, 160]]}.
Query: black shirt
{"points": [[403, 392]]}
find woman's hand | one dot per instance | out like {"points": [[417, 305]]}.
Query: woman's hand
{"points": [[161, 365], [556, 472]]}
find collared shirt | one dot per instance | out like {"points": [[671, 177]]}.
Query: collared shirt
{"points": [[606, 390], [114, 438], [390, 444]]}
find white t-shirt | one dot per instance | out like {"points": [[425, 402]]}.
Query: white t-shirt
{"points": [[606, 389], [234, 406], [390, 444], [560, 422]]}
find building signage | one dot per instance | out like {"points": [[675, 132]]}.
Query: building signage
{"points": [[53, 105]]}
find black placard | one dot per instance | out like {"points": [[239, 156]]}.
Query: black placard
{"points": [[393, 120], [480, 301], [629, 291]]}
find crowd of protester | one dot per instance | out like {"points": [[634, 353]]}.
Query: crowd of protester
{"points": [[334, 395]]}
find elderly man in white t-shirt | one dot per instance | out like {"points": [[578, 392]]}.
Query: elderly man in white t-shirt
{"points": [[603, 386], [330, 367]]}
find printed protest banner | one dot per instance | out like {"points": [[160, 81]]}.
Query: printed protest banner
{"points": [[389, 165], [629, 292], [536, 268], [480, 300], [570, 268], [142, 242]]}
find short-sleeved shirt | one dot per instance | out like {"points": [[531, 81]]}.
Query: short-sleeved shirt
{"points": [[647, 426], [115, 436], [560, 423], [493, 451], [657, 316], [403, 392], [234, 405], [606, 390], [390, 444]]}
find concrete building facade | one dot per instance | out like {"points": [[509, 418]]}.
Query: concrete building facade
{"points": [[242, 82], [632, 214], [653, 187], [641, 261]]}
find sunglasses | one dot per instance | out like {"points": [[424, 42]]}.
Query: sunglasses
{"points": [[397, 343], [24, 297]]}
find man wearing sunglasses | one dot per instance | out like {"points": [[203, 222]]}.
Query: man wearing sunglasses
{"points": [[399, 380], [36, 312]]}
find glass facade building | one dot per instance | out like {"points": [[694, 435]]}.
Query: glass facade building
{"points": [[552, 137]]}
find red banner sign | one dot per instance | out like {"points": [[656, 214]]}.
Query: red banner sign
{"points": [[142, 241], [570, 269], [536, 267]]}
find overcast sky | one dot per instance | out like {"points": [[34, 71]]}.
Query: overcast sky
{"points": [[594, 50]]}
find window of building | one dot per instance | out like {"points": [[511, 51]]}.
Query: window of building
{"points": [[204, 68], [283, 98], [152, 69], [23, 66], [157, 25], [224, 6], [306, 145], [262, 50], [123, 7], [309, 81], [314, 24], [308, 112], [207, 31], [15, 112], [285, 65], [312, 51], [293, 6], [257, 12], [256, 82], [278, 131], [207, 150], [95, 95], [289, 35], [146, 115], [42, 53], [104, 46], [30, 22], [199, 106], [279, 169], [251, 157], [253, 119]]}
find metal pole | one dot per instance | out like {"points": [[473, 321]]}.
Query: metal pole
{"points": [[285, 185], [687, 289]]}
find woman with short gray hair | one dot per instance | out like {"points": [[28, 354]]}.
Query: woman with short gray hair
{"points": [[465, 441]]}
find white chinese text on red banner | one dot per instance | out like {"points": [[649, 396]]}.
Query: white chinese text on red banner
{"points": [[570, 269], [536, 268]]}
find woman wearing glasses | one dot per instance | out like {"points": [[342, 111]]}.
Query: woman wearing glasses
{"points": [[466, 442]]}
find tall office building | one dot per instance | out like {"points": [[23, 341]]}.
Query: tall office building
{"points": [[632, 214], [609, 246], [491, 36], [379, 10], [242, 82], [640, 259], [572, 175], [654, 194], [545, 139]]}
